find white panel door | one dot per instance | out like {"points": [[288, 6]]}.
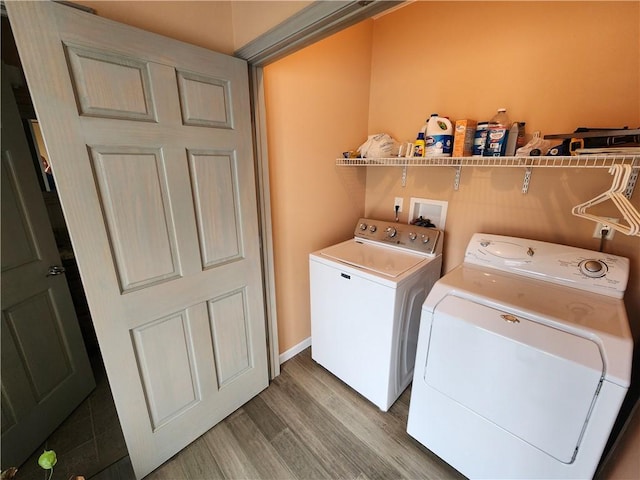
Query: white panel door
{"points": [[150, 143], [45, 368]]}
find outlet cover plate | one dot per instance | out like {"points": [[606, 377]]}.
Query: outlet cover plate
{"points": [[600, 225]]}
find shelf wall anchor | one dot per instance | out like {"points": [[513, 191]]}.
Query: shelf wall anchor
{"points": [[456, 180], [631, 184], [527, 179]]}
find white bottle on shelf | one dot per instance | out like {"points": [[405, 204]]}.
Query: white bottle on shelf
{"points": [[439, 137]]}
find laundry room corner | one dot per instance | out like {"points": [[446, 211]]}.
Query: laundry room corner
{"points": [[388, 320], [425, 58]]}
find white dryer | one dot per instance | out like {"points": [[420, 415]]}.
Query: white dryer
{"points": [[366, 298], [524, 359]]}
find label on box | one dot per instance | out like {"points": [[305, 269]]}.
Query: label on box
{"points": [[438, 145]]}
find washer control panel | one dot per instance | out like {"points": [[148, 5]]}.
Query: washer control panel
{"points": [[575, 267], [411, 237]]}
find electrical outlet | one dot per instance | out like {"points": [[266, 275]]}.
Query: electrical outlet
{"points": [[398, 203], [600, 226]]}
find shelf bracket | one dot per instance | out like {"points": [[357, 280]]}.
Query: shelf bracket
{"points": [[404, 176], [631, 184], [456, 179], [527, 179]]}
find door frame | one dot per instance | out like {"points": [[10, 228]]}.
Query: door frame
{"points": [[311, 24]]}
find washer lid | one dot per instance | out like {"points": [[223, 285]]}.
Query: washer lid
{"points": [[383, 260]]}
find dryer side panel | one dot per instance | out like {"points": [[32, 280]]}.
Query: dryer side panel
{"points": [[409, 310]]}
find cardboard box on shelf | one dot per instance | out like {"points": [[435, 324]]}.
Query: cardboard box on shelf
{"points": [[463, 134]]}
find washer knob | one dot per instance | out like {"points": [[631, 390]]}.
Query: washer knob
{"points": [[593, 268], [373, 228], [412, 236], [391, 232], [425, 239], [363, 226]]}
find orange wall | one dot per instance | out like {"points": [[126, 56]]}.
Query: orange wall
{"points": [[316, 106], [555, 65], [559, 65]]}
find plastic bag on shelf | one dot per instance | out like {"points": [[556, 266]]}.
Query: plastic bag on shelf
{"points": [[536, 143], [380, 145]]}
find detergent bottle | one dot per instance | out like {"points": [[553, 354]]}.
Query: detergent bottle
{"points": [[418, 146], [480, 139], [497, 134], [439, 137]]}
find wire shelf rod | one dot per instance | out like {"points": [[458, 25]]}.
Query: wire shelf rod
{"points": [[579, 161]]}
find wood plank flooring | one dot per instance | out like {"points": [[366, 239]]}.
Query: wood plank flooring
{"points": [[308, 425]]}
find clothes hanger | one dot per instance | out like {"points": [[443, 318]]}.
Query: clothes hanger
{"points": [[616, 183], [621, 174], [630, 214], [615, 194]]}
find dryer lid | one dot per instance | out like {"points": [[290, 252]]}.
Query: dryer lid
{"points": [[594, 316], [382, 260], [524, 377]]}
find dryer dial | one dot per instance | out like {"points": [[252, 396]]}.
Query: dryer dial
{"points": [[391, 232], [593, 268]]}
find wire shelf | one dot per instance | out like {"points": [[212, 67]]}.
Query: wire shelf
{"points": [[528, 163], [578, 161]]}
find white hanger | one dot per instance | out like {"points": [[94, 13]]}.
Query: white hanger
{"points": [[617, 177], [615, 193], [630, 214]]}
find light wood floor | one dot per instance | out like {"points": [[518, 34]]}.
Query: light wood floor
{"points": [[308, 425]]}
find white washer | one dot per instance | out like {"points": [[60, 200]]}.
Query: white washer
{"points": [[366, 298], [524, 358]]}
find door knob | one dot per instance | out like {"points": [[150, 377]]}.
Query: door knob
{"points": [[55, 270]]}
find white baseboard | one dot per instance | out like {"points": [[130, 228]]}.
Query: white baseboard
{"points": [[292, 352]]}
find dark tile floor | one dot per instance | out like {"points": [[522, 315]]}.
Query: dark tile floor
{"points": [[88, 441]]}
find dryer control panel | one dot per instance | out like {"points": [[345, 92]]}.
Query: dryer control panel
{"points": [[597, 272], [423, 240]]}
